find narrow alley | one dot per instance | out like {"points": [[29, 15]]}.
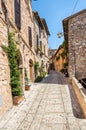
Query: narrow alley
{"points": [[42, 65], [47, 106]]}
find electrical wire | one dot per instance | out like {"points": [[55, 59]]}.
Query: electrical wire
{"points": [[75, 6]]}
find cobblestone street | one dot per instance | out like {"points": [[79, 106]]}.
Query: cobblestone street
{"points": [[46, 107]]}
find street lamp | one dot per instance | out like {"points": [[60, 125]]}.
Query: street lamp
{"points": [[60, 34]]}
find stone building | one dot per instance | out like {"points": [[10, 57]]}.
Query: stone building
{"points": [[5, 90], [51, 53], [59, 59], [41, 34], [16, 16], [75, 34]]}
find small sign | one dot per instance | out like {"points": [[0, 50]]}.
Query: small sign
{"points": [[0, 100]]}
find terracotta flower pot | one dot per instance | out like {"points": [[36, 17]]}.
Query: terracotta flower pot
{"points": [[17, 100], [27, 87]]}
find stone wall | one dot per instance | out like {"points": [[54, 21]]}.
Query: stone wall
{"points": [[80, 95], [27, 53], [42, 35], [5, 89], [77, 45]]}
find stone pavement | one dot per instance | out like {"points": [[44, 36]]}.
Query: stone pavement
{"points": [[46, 107]]}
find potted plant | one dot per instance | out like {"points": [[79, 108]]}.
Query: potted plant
{"points": [[18, 96], [27, 85]]}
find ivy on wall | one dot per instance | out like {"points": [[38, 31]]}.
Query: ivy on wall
{"points": [[13, 57]]}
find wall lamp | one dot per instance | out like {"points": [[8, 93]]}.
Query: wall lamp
{"points": [[61, 34]]}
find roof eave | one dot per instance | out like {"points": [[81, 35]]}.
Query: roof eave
{"points": [[45, 26]]}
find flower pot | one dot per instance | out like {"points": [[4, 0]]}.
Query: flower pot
{"points": [[17, 100], [27, 87]]}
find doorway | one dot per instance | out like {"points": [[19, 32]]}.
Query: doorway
{"points": [[31, 69]]}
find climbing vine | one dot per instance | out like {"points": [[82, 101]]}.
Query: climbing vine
{"points": [[13, 57], [65, 51]]}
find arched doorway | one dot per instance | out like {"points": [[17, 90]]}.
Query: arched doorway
{"points": [[31, 69]]}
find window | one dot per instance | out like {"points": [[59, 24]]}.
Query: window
{"points": [[39, 32], [41, 45], [17, 13], [19, 39], [43, 34], [30, 36], [44, 49]]}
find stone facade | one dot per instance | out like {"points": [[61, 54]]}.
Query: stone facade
{"points": [[58, 60], [25, 40], [5, 90], [41, 41], [51, 53], [75, 27]]}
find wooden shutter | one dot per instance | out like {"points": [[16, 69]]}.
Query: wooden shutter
{"points": [[30, 36], [41, 45], [17, 13]]}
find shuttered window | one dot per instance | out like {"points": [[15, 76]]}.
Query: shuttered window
{"points": [[41, 45], [30, 36], [17, 13]]}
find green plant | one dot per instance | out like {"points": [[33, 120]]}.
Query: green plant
{"points": [[58, 57], [38, 79], [26, 78], [64, 45], [13, 63], [62, 70], [65, 65], [43, 74], [65, 49], [63, 54], [41, 53], [39, 49], [36, 67]]}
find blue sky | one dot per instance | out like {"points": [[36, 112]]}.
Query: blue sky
{"points": [[54, 11]]}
